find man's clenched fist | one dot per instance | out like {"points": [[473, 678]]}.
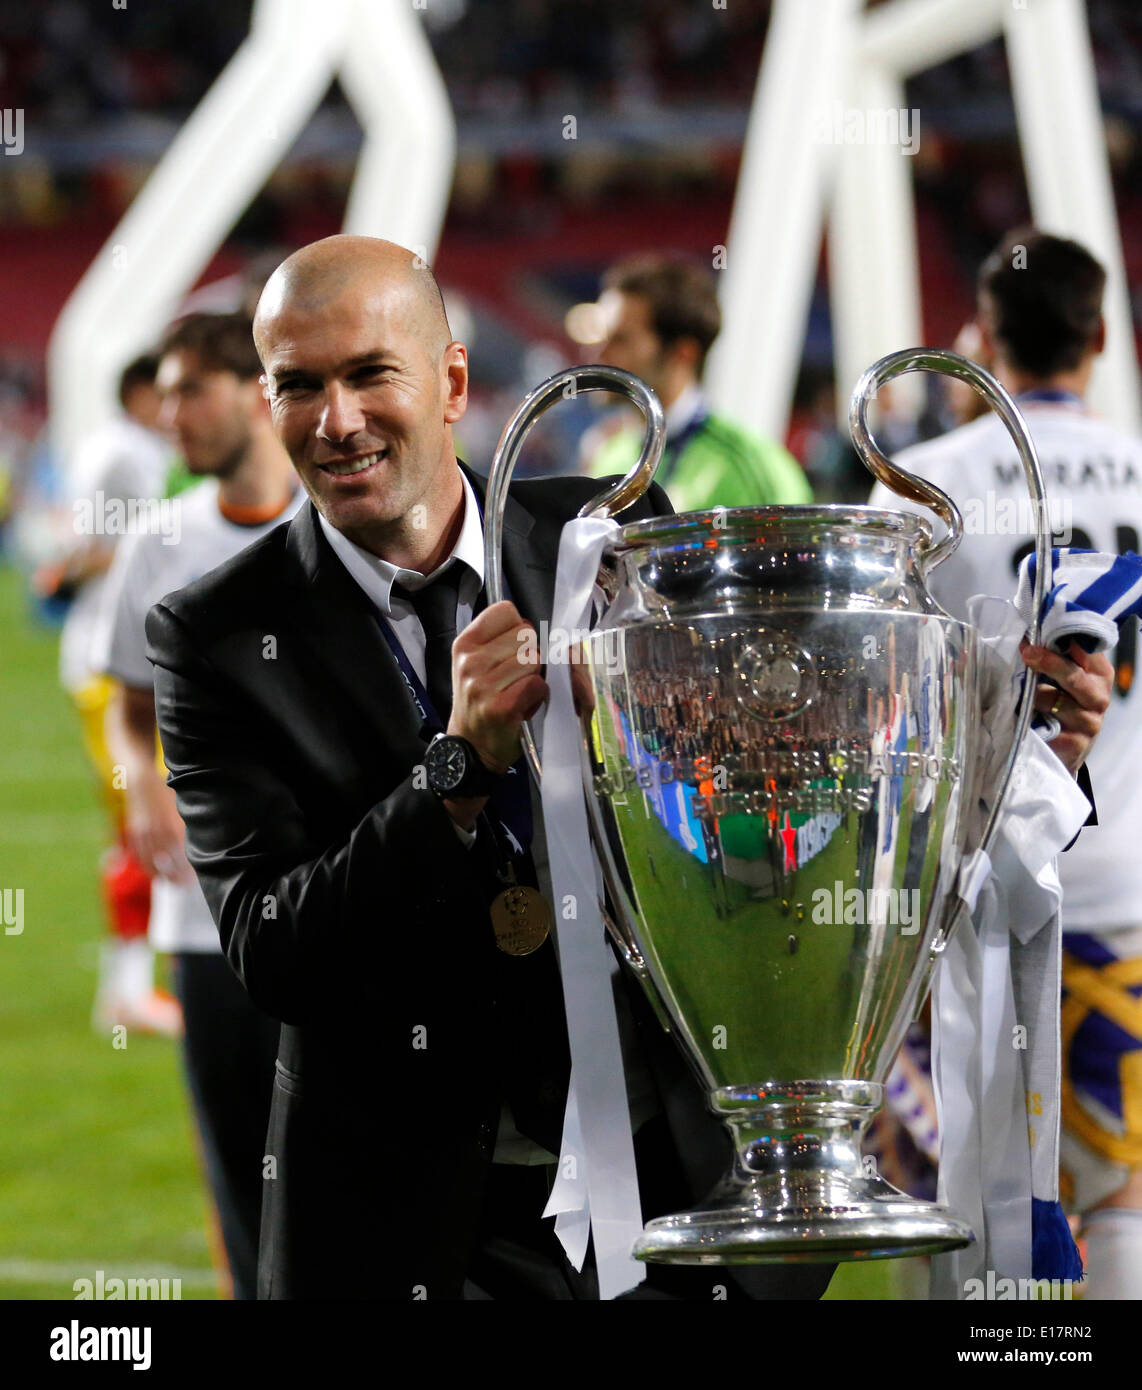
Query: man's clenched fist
{"points": [[496, 684]]}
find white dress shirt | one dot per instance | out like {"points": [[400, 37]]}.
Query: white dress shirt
{"points": [[377, 577]]}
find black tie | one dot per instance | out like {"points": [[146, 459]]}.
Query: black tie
{"points": [[435, 606], [530, 1025]]}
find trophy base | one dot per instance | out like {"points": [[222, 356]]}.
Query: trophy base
{"points": [[800, 1190], [873, 1221]]}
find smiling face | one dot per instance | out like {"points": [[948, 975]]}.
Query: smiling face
{"points": [[364, 390]]}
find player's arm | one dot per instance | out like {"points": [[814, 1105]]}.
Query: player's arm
{"points": [[90, 558], [93, 555], [63, 577], [297, 906], [154, 829]]}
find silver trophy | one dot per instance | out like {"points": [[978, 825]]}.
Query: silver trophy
{"points": [[784, 786]]}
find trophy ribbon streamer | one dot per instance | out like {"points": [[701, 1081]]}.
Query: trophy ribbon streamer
{"points": [[1000, 972], [596, 1186]]}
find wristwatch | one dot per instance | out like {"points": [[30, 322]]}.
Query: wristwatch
{"points": [[454, 768]]}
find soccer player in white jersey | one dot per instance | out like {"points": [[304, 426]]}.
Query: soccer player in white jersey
{"points": [[1039, 314], [118, 468], [212, 401]]}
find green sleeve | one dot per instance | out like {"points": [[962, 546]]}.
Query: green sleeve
{"points": [[722, 466], [726, 466], [178, 479]]}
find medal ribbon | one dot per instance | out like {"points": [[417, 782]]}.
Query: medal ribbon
{"points": [[596, 1185]]}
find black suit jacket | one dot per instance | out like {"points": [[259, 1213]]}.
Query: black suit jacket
{"points": [[351, 911]]}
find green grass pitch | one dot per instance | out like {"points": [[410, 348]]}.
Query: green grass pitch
{"points": [[97, 1162]]}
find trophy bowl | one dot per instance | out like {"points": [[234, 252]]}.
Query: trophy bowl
{"points": [[779, 762], [781, 725]]}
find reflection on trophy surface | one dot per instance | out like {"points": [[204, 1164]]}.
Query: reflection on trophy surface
{"points": [[780, 756]]}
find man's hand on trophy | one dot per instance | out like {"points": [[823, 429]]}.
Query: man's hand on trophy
{"points": [[1075, 691], [496, 683]]}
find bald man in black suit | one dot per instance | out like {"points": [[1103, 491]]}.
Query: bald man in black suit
{"points": [[422, 1074]]}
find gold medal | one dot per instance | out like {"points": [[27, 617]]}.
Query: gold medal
{"points": [[521, 919]]}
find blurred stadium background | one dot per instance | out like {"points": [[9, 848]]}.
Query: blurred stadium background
{"points": [[97, 1162]]}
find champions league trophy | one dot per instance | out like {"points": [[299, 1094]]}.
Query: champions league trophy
{"points": [[784, 787]]}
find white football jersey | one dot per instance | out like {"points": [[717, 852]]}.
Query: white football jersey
{"points": [[147, 567], [122, 462], [1092, 473]]}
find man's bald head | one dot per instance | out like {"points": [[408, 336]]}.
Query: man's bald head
{"points": [[314, 278]]}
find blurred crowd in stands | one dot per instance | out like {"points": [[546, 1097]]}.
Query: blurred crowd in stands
{"points": [[69, 61], [531, 227]]}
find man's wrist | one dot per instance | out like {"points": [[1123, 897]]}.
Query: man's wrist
{"points": [[457, 772], [144, 791], [499, 768]]}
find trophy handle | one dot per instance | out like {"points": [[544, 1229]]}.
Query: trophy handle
{"points": [[918, 490], [565, 386]]}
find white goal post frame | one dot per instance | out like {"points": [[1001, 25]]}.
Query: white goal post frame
{"points": [[223, 155]]}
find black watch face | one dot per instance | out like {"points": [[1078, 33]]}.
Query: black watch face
{"points": [[448, 762]]}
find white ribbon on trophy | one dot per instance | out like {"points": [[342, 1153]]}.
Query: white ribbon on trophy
{"points": [[596, 1186], [995, 999]]}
